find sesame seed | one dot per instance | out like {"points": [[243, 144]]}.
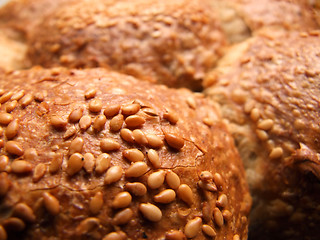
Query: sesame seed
{"points": [[191, 102], [70, 132], [56, 163], [208, 186], [13, 223], [108, 145], [139, 137], [102, 163], [185, 194], [95, 105], [218, 181], [5, 118], [123, 217], [4, 160], [96, 203], [227, 215], [171, 116], [5, 97], [255, 114], [239, 96], [172, 179], [133, 155], [193, 227], [89, 162], [209, 231], [18, 95], [4, 183], [99, 123], [24, 212], [150, 212], [218, 218], [90, 93], [39, 172], [150, 111], [136, 169], [58, 122], [12, 129], [262, 135], [39, 96], [76, 145], [122, 200], [115, 236], [87, 225], [154, 158], [276, 152], [136, 188], [265, 124], [154, 141], [236, 237], [75, 164], [111, 110], [156, 179], [51, 203], [206, 176], [21, 166], [113, 174], [13, 147], [116, 123], [222, 201], [130, 109], [26, 100], [127, 135], [208, 121], [135, 121], [165, 196], [76, 115], [174, 141], [85, 122], [10, 106]]}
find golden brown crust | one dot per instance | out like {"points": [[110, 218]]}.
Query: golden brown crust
{"points": [[169, 42], [57, 183], [269, 92]]}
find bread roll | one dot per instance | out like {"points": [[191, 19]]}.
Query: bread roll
{"points": [[169, 42], [93, 154], [268, 88]]}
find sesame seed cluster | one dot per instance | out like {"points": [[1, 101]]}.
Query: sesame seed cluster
{"points": [[94, 154]]}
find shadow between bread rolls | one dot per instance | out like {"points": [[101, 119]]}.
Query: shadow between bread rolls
{"points": [[94, 154], [268, 91]]}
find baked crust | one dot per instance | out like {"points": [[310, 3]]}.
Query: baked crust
{"points": [[268, 89], [170, 42], [55, 178]]}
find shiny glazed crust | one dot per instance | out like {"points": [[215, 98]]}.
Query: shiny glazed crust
{"points": [[268, 90], [79, 160], [170, 42]]}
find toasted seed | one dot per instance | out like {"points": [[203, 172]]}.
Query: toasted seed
{"points": [[275, 153], [99, 123], [123, 217], [136, 169], [14, 224], [127, 135], [133, 155], [23, 211], [174, 141], [172, 179], [108, 145], [12, 129], [227, 215], [17, 96], [51, 203], [116, 123], [185, 193], [165, 196], [154, 158], [136, 188], [75, 164], [193, 227], [222, 201], [206, 176], [96, 203], [95, 105], [130, 109], [26, 100], [4, 160], [102, 163], [265, 124], [89, 162], [122, 200], [76, 145], [156, 179], [76, 115], [139, 137], [5, 118], [111, 110], [14, 148], [135, 121], [113, 174], [150, 212], [56, 163], [171, 116], [175, 235], [39, 172], [115, 236], [87, 225], [90, 93], [154, 141], [5, 97], [85, 122], [209, 231], [3, 233], [218, 181], [218, 218], [4, 183], [70, 132], [21, 166], [58, 122]]}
